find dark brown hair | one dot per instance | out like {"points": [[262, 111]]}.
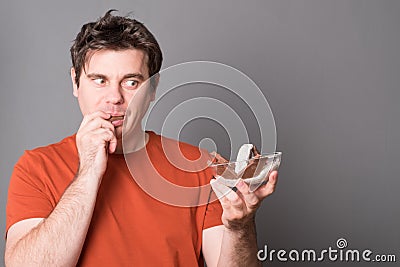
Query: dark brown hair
{"points": [[115, 33]]}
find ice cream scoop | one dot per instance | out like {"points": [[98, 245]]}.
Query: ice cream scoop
{"points": [[246, 152]]}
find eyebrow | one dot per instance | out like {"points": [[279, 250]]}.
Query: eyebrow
{"points": [[126, 76]]}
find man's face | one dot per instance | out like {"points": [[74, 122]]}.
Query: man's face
{"points": [[110, 80]]}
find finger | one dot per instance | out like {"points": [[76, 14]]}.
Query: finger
{"points": [[235, 200], [227, 182], [251, 200], [88, 120], [96, 123], [109, 134], [110, 141], [229, 200], [96, 114], [214, 187], [112, 146], [219, 189], [88, 124], [100, 136], [269, 187]]}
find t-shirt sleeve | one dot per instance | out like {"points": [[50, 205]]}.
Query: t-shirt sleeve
{"points": [[26, 192], [214, 209], [213, 212]]}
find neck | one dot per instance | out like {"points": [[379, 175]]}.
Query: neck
{"points": [[137, 141]]}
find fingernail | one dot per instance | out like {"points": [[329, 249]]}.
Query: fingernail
{"points": [[240, 184]]}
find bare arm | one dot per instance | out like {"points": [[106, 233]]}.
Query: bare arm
{"points": [[58, 239], [239, 247], [235, 242]]}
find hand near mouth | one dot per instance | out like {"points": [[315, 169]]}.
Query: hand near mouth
{"points": [[94, 140], [116, 118]]}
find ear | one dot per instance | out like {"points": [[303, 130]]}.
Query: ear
{"points": [[74, 85], [154, 84]]}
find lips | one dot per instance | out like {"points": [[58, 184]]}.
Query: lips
{"points": [[116, 118]]}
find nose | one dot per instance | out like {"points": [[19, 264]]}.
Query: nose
{"points": [[114, 94]]}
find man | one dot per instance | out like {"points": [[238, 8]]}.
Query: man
{"points": [[75, 202]]}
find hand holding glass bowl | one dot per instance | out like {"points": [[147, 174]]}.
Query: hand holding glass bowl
{"points": [[253, 171]]}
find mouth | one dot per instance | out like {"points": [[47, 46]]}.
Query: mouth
{"points": [[116, 118], [117, 121]]}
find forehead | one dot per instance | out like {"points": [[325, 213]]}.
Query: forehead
{"points": [[117, 62]]}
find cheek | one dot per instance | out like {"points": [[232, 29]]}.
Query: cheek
{"points": [[89, 102], [128, 96]]}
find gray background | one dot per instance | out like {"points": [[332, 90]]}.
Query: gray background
{"points": [[329, 69]]}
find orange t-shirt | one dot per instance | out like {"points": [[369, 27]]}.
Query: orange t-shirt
{"points": [[129, 227]]}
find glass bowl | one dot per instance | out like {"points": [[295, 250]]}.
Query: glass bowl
{"points": [[254, 171]]}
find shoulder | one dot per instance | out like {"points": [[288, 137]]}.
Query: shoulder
{"points": [[65, 147], [47, 157], [68, 144], [174, 154], [177, 149]]}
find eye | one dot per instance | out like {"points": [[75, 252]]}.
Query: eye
{"points": [[130, 84], [99, 81]]}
